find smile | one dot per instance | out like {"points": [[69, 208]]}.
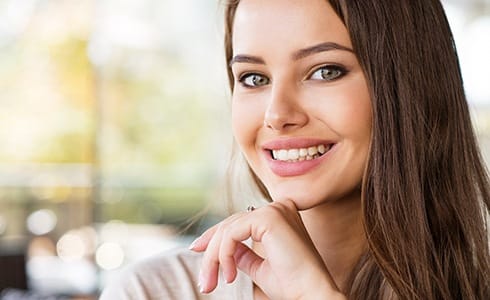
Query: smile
{"points": [[300, 154], [297, 156]]}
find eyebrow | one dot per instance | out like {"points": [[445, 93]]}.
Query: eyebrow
{"points": [[302, 53], [246, 59], [327, 46]]}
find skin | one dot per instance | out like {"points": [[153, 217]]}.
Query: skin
{"points": [[307, 240]]}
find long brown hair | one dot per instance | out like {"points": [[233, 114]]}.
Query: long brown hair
{"points": [[426, 192]]}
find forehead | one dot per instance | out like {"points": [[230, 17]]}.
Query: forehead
{"points": [[286, 24]]}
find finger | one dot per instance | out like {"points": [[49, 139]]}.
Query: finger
{"points": [[248, 261], [201, 243], [227, 263], [289, 211], [233, 235], [232, 247], [289, 204], [210, 263], [208, 276]]}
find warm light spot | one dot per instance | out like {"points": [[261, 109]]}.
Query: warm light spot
{"points": [[41, 246], [71, 247], [41, 222], [109, 256]]}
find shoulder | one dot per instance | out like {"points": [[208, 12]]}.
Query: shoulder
{"points": [[171, 275]]}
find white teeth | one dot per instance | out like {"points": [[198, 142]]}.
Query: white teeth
{"points": [[312, 151], [282, 155], [294, 155], [321, 149]]}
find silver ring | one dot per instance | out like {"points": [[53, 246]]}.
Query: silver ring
{"points": [[250, 208]]}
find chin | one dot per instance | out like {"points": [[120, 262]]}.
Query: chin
{"points": [[303, 200], [309, 196]]}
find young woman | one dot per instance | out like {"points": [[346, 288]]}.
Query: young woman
{"points": [[353, 121]]}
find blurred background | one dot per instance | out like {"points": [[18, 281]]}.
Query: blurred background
{"points": [[114, 132]]}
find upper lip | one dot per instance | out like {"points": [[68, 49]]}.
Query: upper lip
{"points": [[294, 143]]}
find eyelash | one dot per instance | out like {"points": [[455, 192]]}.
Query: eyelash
{"points": [[245, 76], [336, 68]]}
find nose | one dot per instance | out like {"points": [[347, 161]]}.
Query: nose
{"points": [[284, 110]]}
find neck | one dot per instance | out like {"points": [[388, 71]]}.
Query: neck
{"points": [[337, 232]]}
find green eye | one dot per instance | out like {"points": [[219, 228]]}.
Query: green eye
{"points": [[328, 73], [253, 80]]}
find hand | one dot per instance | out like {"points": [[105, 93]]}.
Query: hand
{"points": [[291, 267]]}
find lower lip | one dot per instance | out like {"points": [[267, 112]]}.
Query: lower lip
{"points": [[287, 169]]}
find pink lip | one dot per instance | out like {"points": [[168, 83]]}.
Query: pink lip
{"points": [[286, 169]]}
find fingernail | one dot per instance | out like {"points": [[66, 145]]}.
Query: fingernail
{"points": [[227, 277], [193, 244], [201, 283]]}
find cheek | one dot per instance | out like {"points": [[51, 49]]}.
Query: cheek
{"points": [[361, 116], [247, 119], [354, 121], [347, 112]]}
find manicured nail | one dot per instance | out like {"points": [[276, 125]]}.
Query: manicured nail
{"points": [[227, 277], [193, 244], [201, 283]]}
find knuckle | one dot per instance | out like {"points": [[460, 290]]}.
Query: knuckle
{"points": [[209, 260], [289, 203], [274, 211], [226, 233], [221, 227], [253, 271], [222, 256]]}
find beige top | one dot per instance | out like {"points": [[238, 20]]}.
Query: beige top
{"points": [[173, 275]]}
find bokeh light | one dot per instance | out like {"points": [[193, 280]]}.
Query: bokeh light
{"points": [[109, 256], [41, 222], [41, 246], [71, 246]]}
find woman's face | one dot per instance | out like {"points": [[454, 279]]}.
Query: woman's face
{"points": [[301, 109]]}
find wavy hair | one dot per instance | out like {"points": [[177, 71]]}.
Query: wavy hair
{"points": [[426, 191]]}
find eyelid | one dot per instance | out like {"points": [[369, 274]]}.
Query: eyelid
{"points": [[335, 66], [239, 70], [247, 73], [244, 75]]}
